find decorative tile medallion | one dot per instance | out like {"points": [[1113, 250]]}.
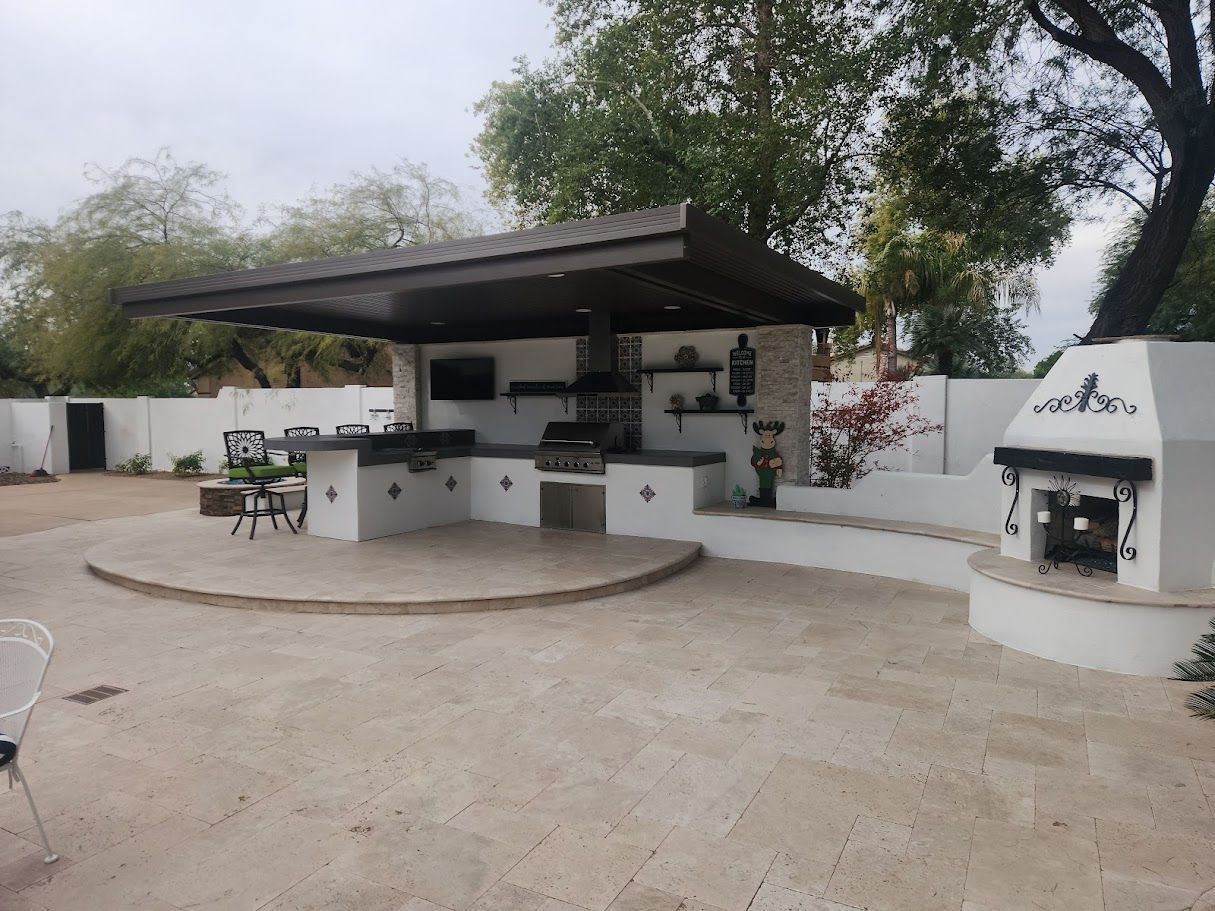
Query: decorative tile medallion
{"points": [[395, 490], [647, 493], [506, 482], [451, 483], [331, 493]]}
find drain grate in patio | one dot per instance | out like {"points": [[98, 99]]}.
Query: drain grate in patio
{"points": [[96, 694]]}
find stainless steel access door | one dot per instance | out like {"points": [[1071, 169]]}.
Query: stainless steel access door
{"points": [[579, 507]]}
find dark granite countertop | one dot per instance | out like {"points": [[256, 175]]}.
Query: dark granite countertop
{"points": [[372, 450]]}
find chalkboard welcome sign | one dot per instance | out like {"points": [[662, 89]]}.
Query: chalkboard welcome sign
{"points": [[742, 371]]}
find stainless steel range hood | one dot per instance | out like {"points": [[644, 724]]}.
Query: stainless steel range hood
{"points": [[602, 376]]}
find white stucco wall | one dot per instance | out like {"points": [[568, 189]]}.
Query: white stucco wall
{"points": [[719, 433], [532, 359], [976, 413], [970, 501]]}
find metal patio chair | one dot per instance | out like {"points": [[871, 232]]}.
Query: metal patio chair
{"points": [[249, 462], [298, 460], [352, 430], [26, 647], [399, 427]]}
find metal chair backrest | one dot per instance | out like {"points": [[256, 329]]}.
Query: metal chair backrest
{"points": [[399, 427], [350, 430], [246, 448], [26, 647], [295, 455]]}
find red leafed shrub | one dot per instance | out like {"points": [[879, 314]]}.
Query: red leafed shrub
{"points": [[846, 433]]}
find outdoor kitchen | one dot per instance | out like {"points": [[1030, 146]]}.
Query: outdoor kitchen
{"points": [[602, 375]]}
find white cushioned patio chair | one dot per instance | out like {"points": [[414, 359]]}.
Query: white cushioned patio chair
{"points": [[25, 652]]}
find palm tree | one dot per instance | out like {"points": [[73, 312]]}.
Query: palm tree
{"points": [[1201, 670]]}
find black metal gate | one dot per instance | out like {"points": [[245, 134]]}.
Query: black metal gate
{"points": [[86, 435]]}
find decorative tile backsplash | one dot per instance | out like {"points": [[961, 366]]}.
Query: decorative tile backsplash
{"points": [[623, 408]]}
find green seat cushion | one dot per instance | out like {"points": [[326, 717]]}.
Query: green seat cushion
{"points": [[300, 468], [261, 471]]}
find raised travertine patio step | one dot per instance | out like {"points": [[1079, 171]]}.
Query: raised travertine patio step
{"points": [[1100, 586], [946, 532], [469, 566]]}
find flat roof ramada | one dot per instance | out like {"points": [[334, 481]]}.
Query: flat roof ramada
{"points": [[671, 268]]}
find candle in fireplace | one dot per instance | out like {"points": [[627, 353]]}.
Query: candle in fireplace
{"points": [[1081, 523], [1044, 517]]}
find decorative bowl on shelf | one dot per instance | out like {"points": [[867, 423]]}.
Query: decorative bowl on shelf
{"points": [[686, 357], [707, 402]]}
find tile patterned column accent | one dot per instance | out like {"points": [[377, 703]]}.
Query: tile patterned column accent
{"points": [[406, 361], [784, 363]]}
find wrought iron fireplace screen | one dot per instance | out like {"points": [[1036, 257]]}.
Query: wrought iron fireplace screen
{"points": [[1082, 531]]}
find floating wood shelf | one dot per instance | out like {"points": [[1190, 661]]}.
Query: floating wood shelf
{"points": [[513, 398], [648, 373], [680, 412]]}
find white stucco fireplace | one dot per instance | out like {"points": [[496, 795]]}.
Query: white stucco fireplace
{"points": [[1108, 547]]}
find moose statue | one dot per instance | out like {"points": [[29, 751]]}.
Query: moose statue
{"points": [[767, 462]]}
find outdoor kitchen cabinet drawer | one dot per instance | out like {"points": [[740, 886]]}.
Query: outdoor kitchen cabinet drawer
{"points": [[579, 507]]}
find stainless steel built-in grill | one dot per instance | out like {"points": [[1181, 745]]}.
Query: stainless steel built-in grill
{"points": [[577, 446]]}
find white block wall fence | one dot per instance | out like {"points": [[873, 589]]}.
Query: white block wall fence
{"points": [[164, 427], [974, 413]]}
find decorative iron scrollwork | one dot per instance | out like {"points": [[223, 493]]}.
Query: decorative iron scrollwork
{"points": [[1125, 491], [1012, 478], [1086, 398]]}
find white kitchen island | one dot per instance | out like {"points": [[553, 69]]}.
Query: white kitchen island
{"points": [[360, 487]]}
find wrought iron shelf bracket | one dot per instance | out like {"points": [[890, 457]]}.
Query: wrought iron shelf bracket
{"points": [[648, 373], [741, 412], [1012, 478], [513, 398]]}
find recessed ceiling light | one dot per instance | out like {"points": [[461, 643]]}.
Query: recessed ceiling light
{"points": [[556, 275], [437, 322], [671, 307], [583, 310]]}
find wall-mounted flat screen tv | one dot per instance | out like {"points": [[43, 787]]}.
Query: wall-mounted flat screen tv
{"points": [[462, 379]]}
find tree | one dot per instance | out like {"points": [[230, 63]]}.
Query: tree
{"points": [[959, 339], [1042, 368], [1114, 94], [849, 431], [149, 219], [1200, 670], [1187, 308], [959, 299], [376, 210], [158, 219], [758, 110]]}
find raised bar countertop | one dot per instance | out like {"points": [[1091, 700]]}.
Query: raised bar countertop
{"points": [[388, 448]]}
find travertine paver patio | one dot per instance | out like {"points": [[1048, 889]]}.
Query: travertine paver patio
{"points": [[741, 735]]}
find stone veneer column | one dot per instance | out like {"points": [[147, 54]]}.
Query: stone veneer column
{"points": [[405, 403], [784, 362]]}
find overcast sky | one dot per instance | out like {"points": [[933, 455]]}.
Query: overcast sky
{"points": [[282, 96]]}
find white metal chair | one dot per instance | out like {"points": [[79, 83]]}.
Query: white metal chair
{"points": [[25, 652]]}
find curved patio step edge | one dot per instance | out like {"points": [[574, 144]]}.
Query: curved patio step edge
{"points": [[435, 606]]}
